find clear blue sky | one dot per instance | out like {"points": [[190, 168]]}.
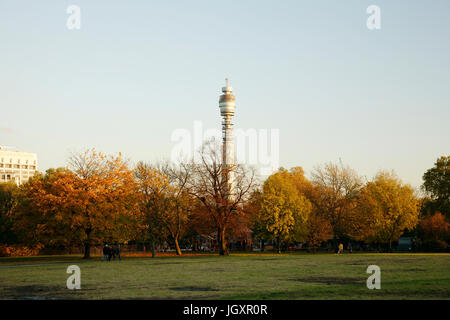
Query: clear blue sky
{"points": [[138, 70]]}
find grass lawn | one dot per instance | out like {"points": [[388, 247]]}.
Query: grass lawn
{"points": [[240, 276]]}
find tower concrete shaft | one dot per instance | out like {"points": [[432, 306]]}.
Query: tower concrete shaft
{"points": [[227, 105]]}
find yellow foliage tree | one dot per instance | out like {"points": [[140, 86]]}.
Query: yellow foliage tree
{"points": [[284, 211], [319, 228], [389, 207]]}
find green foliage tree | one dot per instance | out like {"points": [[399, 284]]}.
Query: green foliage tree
{"points": [[9, 200], [152, 185], [254, 210], [165, 203], [437, 185]]}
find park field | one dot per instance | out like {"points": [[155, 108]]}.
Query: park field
{"points": [[239, 276]]}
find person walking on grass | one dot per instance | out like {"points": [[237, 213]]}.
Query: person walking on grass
{"points": [[341, 248]]}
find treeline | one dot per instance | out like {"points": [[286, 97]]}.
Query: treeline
{"points": [[338, 204], [100, 198]]}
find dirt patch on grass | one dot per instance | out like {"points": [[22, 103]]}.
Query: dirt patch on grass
{"points": [[264, 259], [357, 263], [406, 260], [330, 280], [415, 269], [164, 263], [193, 289], [34, 292]]}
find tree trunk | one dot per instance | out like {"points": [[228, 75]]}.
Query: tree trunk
{"points": [[278, 245], [87, 250], [223, 250], [153, 249], [177, 246], [87, 244]]}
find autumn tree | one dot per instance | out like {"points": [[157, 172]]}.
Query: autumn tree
{"points": [[165, 201], [389, 206], [319, 230], [178, 215], [284, 211], [301, 183], [152, 185], [201, 222], [253, 209], [334, 194], [105, 197], [41, 216], [208, 182], [436, 231], [90, 202], [316, 230], [437, 185]]}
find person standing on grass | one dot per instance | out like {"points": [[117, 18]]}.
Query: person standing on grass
{"points": [[105, 253], [115, 252], [109, 252], [112, 253], [349, 247]]}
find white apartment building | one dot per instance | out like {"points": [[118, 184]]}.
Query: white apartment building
{"points": [[16, 166]]}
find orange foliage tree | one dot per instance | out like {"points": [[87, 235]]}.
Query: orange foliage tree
{"points": [[90, 203], [319, 230], [436, 230], [334, 194]]}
